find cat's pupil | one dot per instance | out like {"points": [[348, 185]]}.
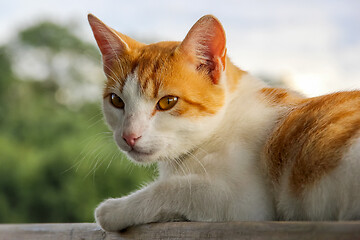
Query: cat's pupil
{"points": [[166, 103], [116, 101]]}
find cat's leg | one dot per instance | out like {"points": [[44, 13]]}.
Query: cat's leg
{"points": [[191, 197]]}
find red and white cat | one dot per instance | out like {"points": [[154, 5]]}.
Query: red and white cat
{"points": [[228, 147]]}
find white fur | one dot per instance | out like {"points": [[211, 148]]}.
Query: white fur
{"points": [[209, 167]]}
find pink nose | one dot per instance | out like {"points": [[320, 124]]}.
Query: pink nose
{"points": [[131, 139]]}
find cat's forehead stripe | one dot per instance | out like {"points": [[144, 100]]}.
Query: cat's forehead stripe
{"points": [[150, 65]]}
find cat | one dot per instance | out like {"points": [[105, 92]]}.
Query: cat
{"points": [[228, 147]]}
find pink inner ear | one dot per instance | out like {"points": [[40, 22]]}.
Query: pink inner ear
{"points": [[217, 42], [205, 44]]}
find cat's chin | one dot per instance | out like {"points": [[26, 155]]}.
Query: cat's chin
{"points": [[142, 157]]}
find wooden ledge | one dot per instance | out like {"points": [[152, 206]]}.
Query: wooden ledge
{"points": [[186, 230]]}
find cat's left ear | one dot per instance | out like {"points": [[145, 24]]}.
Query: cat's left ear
{"points": [[205, 46], [112, 44]]}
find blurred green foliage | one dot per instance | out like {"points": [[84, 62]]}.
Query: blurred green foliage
{"points": [[56, 164], [55, 37]]}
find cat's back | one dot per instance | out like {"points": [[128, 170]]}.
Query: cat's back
{"points": [[311, 151]]}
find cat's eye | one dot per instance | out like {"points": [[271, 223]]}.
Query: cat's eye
{"points": [[116, 101], [167, 103]]}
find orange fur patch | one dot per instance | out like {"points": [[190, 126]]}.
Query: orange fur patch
{"points": [[281, 96], [312, 138]]}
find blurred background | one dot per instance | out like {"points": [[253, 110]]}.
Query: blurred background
{"points": [[57, 157]]}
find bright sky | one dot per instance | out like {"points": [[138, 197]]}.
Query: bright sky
{"points": [[313, 44]]}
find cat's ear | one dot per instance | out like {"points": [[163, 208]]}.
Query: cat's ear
{"points": [[112, 44], [205, 46]]}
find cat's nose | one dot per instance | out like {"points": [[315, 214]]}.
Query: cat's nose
{"points": [[131, 139]]}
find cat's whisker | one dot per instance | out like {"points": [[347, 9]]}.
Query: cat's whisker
{"points": [[189, 153], [75, 165], [94, 166], [116, 155], [96, 122], [178, 164], [100, 159], [199, 162], [192, 155], [94, 138], [94, 147], [83, 155], [188, 180], [95, 116]]}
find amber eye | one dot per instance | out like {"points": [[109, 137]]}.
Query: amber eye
{"points": [[116, 101], [167, 103]]}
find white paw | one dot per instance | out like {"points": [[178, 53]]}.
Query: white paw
{"points": [[111, 215]]}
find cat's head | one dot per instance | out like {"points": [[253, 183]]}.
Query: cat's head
{"points": [[162, 100]]}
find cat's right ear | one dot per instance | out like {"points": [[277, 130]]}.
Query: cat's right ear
{"points": [[205, 47]]}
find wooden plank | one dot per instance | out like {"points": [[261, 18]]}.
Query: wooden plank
{"points": [[247, 230], [186, 230], [70, 231]]}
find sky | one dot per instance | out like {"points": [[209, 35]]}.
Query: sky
{"points": [[314, 46]]}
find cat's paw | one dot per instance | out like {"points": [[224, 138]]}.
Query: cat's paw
{"points": [[111, 215]]}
